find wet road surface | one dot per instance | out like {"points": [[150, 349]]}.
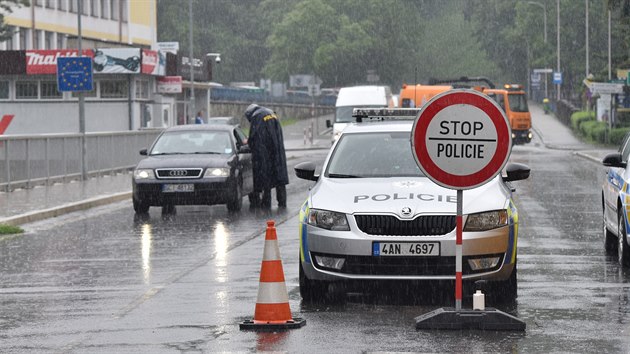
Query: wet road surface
{"points": [[105, 281]]}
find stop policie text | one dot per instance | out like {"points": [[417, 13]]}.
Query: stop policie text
{"points": [[465, 150]]}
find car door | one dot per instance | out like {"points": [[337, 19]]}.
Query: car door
{"points": [[245, 161], [615, 178]]}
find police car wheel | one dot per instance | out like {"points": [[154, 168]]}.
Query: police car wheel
{"points": [[610, 240], [623, 251], [506, 291], [312, 290]]}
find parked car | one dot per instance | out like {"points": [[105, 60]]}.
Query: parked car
{"points": [[373, 216], [615, 203], [197, 164]]}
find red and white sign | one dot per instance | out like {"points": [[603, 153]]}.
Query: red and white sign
{"points": [[45, 61], [169, 84], [153, 62], [461, 139]]}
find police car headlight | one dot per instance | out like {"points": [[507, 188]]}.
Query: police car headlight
{"points": [[329, 220], [216, 172], [143, 174], [486, 221]]}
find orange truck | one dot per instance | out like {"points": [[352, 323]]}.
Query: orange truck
{"points": [[511, 98]]}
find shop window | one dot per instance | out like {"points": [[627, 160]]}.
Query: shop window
{"points": [[114, 89], [63, 5], [123, 7], [74, 6], [49, 90], [4, 90], [51, 4], [104, 8], [142, 89], [113, 9], [94, 8], [49, 40], [25, 90]]}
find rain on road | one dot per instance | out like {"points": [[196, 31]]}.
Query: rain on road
{"points": [[106, 281]]}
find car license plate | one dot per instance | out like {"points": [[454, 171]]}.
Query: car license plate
{"points": [[173, 188], [406, 249]]}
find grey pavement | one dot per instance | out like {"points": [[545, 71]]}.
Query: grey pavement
{"points": [[41, 202], [28, 205]]}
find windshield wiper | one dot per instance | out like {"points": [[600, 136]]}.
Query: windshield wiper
{"points": [[168, 153], [340, 175], [207, 152]]}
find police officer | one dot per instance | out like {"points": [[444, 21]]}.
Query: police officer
{"points": [[268, 156]]}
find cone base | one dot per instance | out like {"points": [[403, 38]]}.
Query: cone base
{"points": [[250, 325]]}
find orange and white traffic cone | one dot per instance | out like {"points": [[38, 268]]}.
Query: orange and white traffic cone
{"points": [[272, 305]]}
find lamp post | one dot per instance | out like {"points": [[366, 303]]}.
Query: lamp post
{"points": [[558, 47], [191, 58], [217, 59], [544, 7]]}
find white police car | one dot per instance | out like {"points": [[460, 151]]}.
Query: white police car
{"points": [[372, 215]]}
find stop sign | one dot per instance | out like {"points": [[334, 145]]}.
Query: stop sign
{"points": [[461, 139]]}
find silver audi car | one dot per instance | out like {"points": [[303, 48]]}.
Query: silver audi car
{"points": [[373, 216]]}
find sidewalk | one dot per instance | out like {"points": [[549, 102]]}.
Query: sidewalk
{"points": [[28, 205]]}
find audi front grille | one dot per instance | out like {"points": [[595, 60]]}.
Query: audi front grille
{"points": [[388, 225], [179, 173]]}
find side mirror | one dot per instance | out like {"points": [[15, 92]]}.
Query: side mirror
{"points": [[328, 123], [244, 149], [516, 172], [614, 160], [306, 170], [143, 152]]}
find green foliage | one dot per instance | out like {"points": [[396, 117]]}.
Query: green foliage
{"points": [[617, 135], [10, 229], [580, 117], [6, 7]]}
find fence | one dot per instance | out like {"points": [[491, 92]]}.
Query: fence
{"points": [[29, 160]]}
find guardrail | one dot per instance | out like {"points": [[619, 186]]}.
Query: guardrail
{"points": [[30, 160]]}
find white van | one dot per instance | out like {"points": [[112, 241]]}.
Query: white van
{"points": [[354, 97]]}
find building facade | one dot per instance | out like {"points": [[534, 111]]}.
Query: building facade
{"points": [[117, 34]]}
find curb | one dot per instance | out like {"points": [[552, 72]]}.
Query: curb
{"points": [[65, 209]]}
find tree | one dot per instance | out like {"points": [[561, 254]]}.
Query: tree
{"points": [[6, 7]]}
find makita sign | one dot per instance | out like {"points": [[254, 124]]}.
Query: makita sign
{"points": [[45, 61]]}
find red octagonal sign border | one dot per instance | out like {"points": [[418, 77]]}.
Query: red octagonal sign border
{"points": [[466, 97]]}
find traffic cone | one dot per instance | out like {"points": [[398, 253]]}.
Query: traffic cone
{"points": [[272, 305]]}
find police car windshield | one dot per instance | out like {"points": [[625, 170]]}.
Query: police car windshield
{"points": [[371, 155]]}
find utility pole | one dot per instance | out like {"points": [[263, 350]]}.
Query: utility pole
{"points": [[558, 47], [81, 101], [191, 59], [587, 66]]}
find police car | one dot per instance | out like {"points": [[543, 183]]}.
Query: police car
{"points": [[373, 216]]}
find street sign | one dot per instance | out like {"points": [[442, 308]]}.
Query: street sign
{"points": [[557, 78], [74, 74], [605, 88], [461, 139], [543, 71]]}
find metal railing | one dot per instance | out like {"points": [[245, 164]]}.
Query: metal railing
{"points": [[30, 160]]}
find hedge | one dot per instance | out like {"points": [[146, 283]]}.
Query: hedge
{"points": [[578, 118]]}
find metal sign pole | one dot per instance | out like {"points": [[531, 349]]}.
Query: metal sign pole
{"points": [[458, 251], [82, 103]]}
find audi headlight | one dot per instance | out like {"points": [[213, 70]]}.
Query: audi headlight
{"points": [[143, 174], [217, 172], [329, 220], [486, 221]]}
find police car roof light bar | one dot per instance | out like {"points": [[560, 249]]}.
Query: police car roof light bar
{"points": [[380, 114]]}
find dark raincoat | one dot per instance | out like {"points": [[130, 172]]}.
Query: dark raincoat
{"points": [[267, 145]]}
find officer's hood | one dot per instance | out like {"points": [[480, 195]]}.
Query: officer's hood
{"points": [[251, 111]]}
